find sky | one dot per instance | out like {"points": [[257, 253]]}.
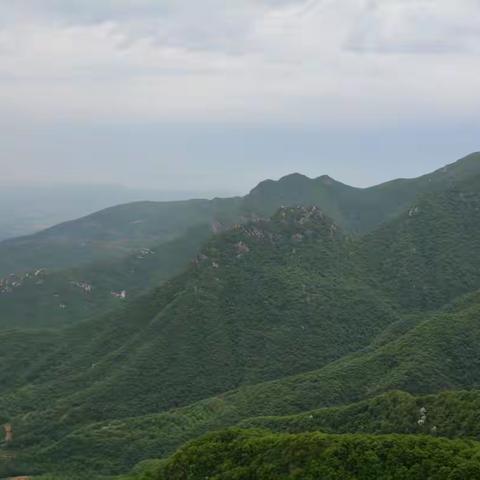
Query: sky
{"points": [[219, 94]]}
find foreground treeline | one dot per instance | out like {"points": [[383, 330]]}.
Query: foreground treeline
{"points": [[258, 455]]}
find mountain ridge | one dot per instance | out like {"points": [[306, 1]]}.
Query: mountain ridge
{"points": [[168, 220], [76, 254], [273, 317]]}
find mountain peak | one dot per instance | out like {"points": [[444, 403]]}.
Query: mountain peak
{"points": [[310, 220], [289, 226], [295, 176], [300, 214], [327, 180], [292, 179]]}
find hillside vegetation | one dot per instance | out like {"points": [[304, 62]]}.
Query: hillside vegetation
{"points": [[283, 316], [59, 298], [237, 454], [83, 261], [239, 313], [111, 233], [430, 357]]}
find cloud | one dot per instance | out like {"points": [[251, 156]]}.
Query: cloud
{"points": [[212, 24], [266, 61], [417, 27]]}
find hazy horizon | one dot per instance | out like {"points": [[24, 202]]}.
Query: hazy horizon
{"points": [[220, 95], [178, 193]]}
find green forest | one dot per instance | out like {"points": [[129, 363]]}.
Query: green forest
{"points": [[309, 330]]}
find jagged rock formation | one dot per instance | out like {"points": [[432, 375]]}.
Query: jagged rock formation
{"points": [[8, 432]]}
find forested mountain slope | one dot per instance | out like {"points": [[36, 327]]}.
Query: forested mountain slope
{"points": [[357, 209], [59, 298], [237, 316], [431, 253], [448, 414], [237, 454], [117, 231], [437, 354], [135, 247], [287, 314], [111, 233]]}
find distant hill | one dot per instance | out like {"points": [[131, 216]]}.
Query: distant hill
{"points": [[59, 298], [112, 233], [29, 208], [357, 209]]}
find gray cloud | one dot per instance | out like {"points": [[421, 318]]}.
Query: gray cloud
{"points": [[417, 27], [274, 61], [211, 24], [230, 91]]}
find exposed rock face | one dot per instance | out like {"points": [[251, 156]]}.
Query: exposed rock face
{"points": [[8, 432], [423, 416], [327, 180], [413, 211], [122, 294], [216, 227], [301, 214], [242, 247]]}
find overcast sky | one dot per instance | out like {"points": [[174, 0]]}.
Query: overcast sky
{"points": [[216, 95]]}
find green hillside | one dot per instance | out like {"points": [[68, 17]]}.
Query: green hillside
{"points": [[111, 233], [77, 269], [437, 354], [357, 209], [117, 231], [58, 298], [274, 317], [431, 253], [413, 271], [447, 414], [150, 352], [258, 455]]}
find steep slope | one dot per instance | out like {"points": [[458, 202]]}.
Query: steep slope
{"points": [[290, 312], [356, 209], [82, 262], [116, 231], [384, 202], [431, 253], [297, 189], [420, 353], [264, 300], [439, 353], [111, 233], [448, 414], [45, 298], [30, 207], [415, 267], [254, 296]]}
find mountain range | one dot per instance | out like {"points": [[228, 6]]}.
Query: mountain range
{"points": [[27, 208], [77, 269], [307, 306]]}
